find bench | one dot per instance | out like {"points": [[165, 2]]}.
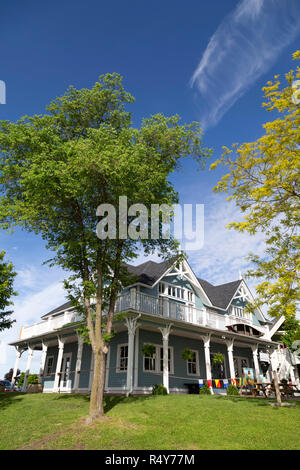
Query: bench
{"points": [[193, 388]]}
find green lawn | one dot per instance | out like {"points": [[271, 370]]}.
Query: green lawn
{"points": [[175, 422]]}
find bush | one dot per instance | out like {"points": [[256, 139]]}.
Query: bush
{"points": [[232, 390], [32, 379], [159, 389], [205, 390]]}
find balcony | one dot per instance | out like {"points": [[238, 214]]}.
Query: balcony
{"points": [[143, 303], [51, 324], [162, 306]]}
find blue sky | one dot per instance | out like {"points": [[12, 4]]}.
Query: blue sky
{"points": [[205, 61]]}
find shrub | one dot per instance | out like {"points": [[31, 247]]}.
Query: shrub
{"points": [[232, 390], [159, 389], [32, 379], [205, 390]]}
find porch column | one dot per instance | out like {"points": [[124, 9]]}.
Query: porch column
{"points": [[165, 331], [43, 361], [229, 344], [13, 379], [131, 323], [78, 363], [255, 359], [61, 345], [273, 363], [29, 359], [206, 341]]}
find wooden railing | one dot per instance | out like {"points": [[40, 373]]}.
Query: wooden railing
{"points": [[143, 303]]}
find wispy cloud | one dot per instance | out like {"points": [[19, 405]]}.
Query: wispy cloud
{"points": [[245, 45]]}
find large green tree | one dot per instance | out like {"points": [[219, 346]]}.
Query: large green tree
{"points": [[7, 276], [264, 182], [57, 168]]}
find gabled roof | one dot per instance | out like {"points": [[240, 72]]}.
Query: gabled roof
{"points": [[62, 307], [220, 295], [150, 271]]}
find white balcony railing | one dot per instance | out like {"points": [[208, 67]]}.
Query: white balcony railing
{"points": [[51, 324], [143, 303]]}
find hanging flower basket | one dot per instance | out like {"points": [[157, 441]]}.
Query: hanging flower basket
{"points": [[187, 354], [218, 358], [148, 350]]}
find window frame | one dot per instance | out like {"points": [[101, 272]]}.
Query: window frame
{"points": [[196, 362], [158, 359], [46, 372], [118, 363]]}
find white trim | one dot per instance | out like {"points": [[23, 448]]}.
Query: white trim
{"points": [[193, 280], [276, 325], [244, 285]]}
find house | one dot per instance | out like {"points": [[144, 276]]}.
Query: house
{"points": [[172, 309]]}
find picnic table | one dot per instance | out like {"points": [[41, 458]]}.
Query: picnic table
{"points": [[286, 390], [262, 387]]}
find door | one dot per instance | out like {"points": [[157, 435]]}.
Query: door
{"points": [[239, 364], [65, 377]]}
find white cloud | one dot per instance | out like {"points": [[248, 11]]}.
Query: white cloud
{"points": [[40, 291], [225, 250], [244, 46]]}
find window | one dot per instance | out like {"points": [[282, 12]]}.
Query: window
{"points": [[174, 291], [122, 358], [150, 364], [193, 364], [49, 365], [155, 364], [190, 296], [237, 311], [161, 288]]}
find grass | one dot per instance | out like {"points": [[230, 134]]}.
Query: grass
{"points": [[174, 422]]}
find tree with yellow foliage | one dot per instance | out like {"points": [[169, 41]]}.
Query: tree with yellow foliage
{"points": [[264, 182]]}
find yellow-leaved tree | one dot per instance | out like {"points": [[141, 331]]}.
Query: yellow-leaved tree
{"points": [[264, 182]]}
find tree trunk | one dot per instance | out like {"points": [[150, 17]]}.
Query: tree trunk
{"points": [[277, 390], [97, 393]]}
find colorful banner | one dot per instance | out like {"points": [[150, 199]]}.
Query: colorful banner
{"points": [[233, 381], [209, 383], [225, 383], [201, 383], [218, 383]]}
